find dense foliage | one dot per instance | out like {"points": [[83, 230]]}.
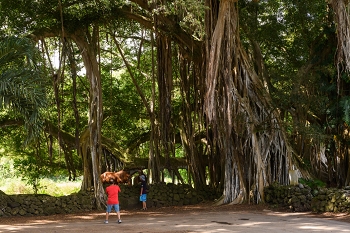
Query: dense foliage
{"points": [[147, 62]]}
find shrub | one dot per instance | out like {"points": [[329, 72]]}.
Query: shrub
{"points": [[313, 184]]}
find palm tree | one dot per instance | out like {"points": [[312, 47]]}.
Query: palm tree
{"points": [[22, 83]]}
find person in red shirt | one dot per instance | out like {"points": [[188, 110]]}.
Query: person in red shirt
{"points": [[112, 192]]}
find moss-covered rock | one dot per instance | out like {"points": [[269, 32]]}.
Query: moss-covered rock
{"points": [[303, 198]]}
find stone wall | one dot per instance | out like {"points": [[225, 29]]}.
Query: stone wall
{"points": [[159, 195], [30, 205], [302, 198], [296, 198], [162, 194], [331, 200]]}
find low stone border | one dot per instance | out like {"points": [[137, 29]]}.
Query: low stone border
{"points": [[331, 200], [302, 198], [159, 195], [30, 205]]}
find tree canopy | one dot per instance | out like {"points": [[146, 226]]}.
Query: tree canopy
{"points": [[237, 93]]}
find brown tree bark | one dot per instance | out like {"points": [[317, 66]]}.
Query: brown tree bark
{"points": [[88, 44], [189, 122], [342, 18], [245, 127], [165, 79], [154, 153]]}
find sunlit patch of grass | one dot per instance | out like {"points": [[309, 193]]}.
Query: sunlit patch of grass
{"points": [[59, 187], [15, 186], [53, 187]]}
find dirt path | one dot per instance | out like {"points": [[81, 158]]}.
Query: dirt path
{"points": [[199, 218]]}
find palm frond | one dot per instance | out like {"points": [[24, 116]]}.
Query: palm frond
{"points": [[22, 81]]}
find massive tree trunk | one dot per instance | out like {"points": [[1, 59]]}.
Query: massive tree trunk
{"points": [[246, 129], [189, 120], [164, 58], [154, 155], [342, 18], [341, 157], [87, 43]]}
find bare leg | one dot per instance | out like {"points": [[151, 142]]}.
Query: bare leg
{"points": [[107, 214]]}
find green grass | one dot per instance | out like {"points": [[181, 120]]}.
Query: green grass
{"points": [[12, 182], [53, 187], [313, 184]]}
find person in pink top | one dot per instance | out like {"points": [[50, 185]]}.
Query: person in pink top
{"points": [[112, 192]]}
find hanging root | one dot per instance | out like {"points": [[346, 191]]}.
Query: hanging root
{"points": [[340, 8], [236, 201], [220, 201]]}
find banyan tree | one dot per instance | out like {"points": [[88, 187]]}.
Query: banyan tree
{"points": [[209, 94], [245, 136], [246, 128]]}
